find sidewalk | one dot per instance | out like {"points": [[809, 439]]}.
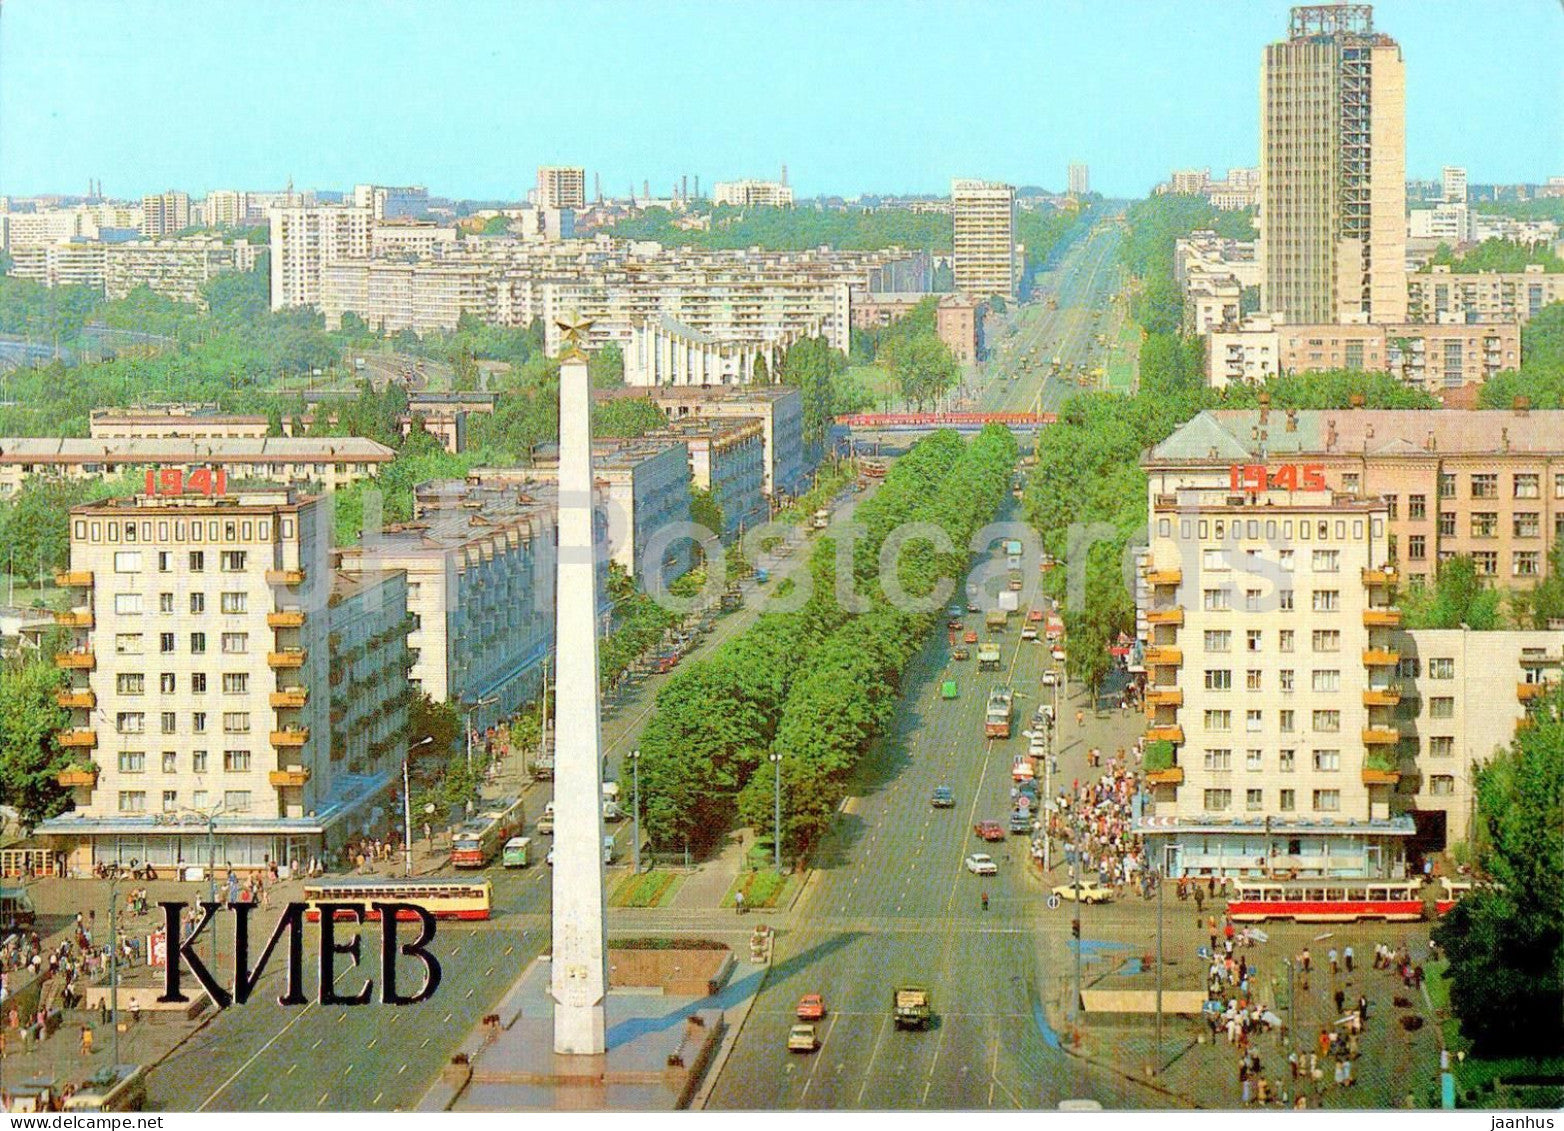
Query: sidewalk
{"points": [[705, 886]]}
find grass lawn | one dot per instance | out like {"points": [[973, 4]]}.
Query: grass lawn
{"points": [[1120, 369], [1492, 1083], [29, 593], [649, 889], [764, 888]]}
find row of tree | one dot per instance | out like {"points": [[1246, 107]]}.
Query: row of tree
{"points": [[818, 685], [1540, 378], [1510, 256]]}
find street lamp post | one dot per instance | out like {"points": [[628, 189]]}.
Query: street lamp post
{"points": [[635, 772], [114, 969], [776, 841], [1075, 878]]}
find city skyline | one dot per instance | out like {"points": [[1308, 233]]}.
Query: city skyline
{"points": [[478, 133]]}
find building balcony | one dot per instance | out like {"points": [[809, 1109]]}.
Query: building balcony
{"points": [[290, 777], [74, 579], [1164, 696], [78, 776], [1381, 696], [1381, 736], [290, 697], [1380, 777], [79, 737], [285, 618], [1372, 577], [1526, 692], [1164, 577], [76, 699], [1161, 655], [1173, 775], [74, 618], [287, 658], [291, 736], [76, 661], [1174, 617], [1380, 658], [1165, 732], [1387, 617], [285, 577]]}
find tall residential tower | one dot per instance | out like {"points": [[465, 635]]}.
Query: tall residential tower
{"points": [[1333, 169], [986, 263]]}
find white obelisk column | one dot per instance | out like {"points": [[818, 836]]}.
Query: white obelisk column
{"points": [[579, 976]]}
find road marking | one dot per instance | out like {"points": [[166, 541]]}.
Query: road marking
{"points": [[507, 953], [256, 1056], [322, 1101], [489, 971], [376, 1100], [262, 1101], [426, 1040], [469, 993], [447, 1019], [341, 1017], [373, 1041], [292, 1068], [349, 1072], [317, 1044], [868, 1072]]}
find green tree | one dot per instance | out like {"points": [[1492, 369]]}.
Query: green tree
{"points": [[495, 226], [1505, 941], [1457, 597], [606, 367], [704, 511], [758, 373], [627, 417], [439, 721], [30, 720]]}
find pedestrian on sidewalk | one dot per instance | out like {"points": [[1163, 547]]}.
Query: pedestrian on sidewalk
{"points": [[1346, 955], [86, 1040], [1341, 998]]}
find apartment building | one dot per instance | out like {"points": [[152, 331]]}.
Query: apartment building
{"points": [[727, 459], [304, 239], [175, 268], [1205, 254], [752, 194], [1489, 484], [391, 296], [227, 208], [1425, 356], [328, 462], [393, 202], [778, 408], [1333, 169], [167, 421], [165, 214], [959, 323], [1452, 183], [203, 683], [561, 186], [986, 261], [479, 562], [664, 351], [1079, 179], [46, 226], [61, 264], [409, 239], [1437, 296]]}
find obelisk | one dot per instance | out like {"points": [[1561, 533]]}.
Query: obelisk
{"points": [[579, 967]]}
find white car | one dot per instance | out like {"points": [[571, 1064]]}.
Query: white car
{"points": [[1050, 678], [1091, 892], [982, 864], [1058, 654]]}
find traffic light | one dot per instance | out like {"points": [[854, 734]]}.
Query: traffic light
{"points": [[1075, 927]]}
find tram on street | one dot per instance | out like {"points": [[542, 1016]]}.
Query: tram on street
{"points": [[1325, 900], [444, 897]]}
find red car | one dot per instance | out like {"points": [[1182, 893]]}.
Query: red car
{"points": [[970, 637], [989, 830], [811, 1007], [1035, 616], [954, 624]]}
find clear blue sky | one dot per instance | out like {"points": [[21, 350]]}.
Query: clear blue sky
{"points": [[468, 96]]}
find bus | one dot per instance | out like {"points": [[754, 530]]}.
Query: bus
{"points": [[444, 897], [479, 839], [1325, 900]]}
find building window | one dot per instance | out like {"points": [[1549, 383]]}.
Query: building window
{"points": [[198, 761], [1327, 600], [1254, 721], [132, 761], [165, 642], [167, 683], [1285, 600], [236, 722], [1417, 507], [1213, 560], [1252, 640], [1216, 800], [197, 561], [1417, 547], [170, 762], [1447, 524], [1392, 504], [1219, 720], [1216, 600], [132, 801], [1441, 746], [1441, 667], [1289, 800], [1327, 800], [1326, 722], [1447, 484], [127, 604], [234, 603], [236, 643], [236, 683], [198, 643], [1485, 485], [1327, 680], [1558, 484], [1486, 562], [198, 683], [1327, 761], [1285, 560], [1327, 561], [1219, 679], [168, 721], [1527, 563], [1253, 680], [1252, 600], [1287, 761], [236, 800], [170, 799], [1528, 524], [1252, 800], [197, 603], [1287, 720], [1441, 785], [129, 722], [1284, 640], [1485, 524], [232, 561], [165, 602], [1218, 760], [127, 561], [1254, 760], [130, 683], [1326, 640], [1528, 485], [236, 761], [198, 722], [1441, 707], [1218, 640], [127, 643]]}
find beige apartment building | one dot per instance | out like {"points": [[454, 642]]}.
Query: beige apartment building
{"points": [[165, 214], [227, 208], [1333, 170], [61, 264], [986, 262], [304, 239], [1311, 734], [177, 269], [1491, 296], [329, 462], [752, 194], [204, 679], [1425, 356], [561, 186], [1489, 484]]}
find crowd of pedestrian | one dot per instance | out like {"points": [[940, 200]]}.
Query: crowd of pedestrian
{"points": [[1094, 821]]}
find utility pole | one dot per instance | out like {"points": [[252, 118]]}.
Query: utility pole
{"points": [[1075, 877], [635, 770], [114, 969], [776, 841], [1157, 1063], [211, 876], [407, 820]]}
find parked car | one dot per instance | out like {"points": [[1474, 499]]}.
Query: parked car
{"points": [[1029, 632], [1091, 892], [811, 1007], [802, 1038], [1050, 678], [982, 864], [971, 636]]}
